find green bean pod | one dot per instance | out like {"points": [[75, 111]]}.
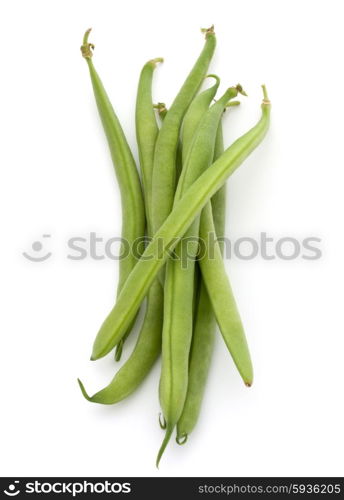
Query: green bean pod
{"points": [[226, 312], [144, 355], [167, 237], [194, 114], [161, 109], [148, 345], [222, 299], [146, 134], [196, 110], [204, 330], [133, 213], [192, 118], [218, 201], [147, 131], [164, 171], [179, 281], [162, 112]]}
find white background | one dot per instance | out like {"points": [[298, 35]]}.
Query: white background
{"points": [[57, 178]]}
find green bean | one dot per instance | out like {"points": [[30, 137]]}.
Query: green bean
{"points": [[148, 345], [222, 299], [146, 133], [200, 356], [162, 112], [192, 117], [204, 143], [191, 120], [179, 282], [164, 172], [146, 351], [166, 238], [205, 326], [194, 114], [218, 201], [226, 312], [133, 214]]}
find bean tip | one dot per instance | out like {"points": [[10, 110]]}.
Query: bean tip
{"points": [[156, 61], [182, 439], [83, 390], [208, 31], [162, 422], [169, 431], [119, 350], [241, 90], [161, 108], [266, 99], [86, 47]]}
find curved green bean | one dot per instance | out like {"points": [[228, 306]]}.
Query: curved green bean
{"points": [[222, 299], [226, 312], [148, 345], [193, 116], [144, 355], [146, 134], [162, 112], [133, 213], [164, 171], [166, 238], [204, 329], [147, 131], [218, 201], [179, 281], [196, 110]]}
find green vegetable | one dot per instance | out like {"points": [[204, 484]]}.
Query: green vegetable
{"points": [[179, 283], [164, 172], [139, 364], [166, 238], [204, 325], [177, 219], [132, 203], [148, 346]]}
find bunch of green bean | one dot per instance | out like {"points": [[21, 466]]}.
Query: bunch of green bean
{"points": [[178, 205]]}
